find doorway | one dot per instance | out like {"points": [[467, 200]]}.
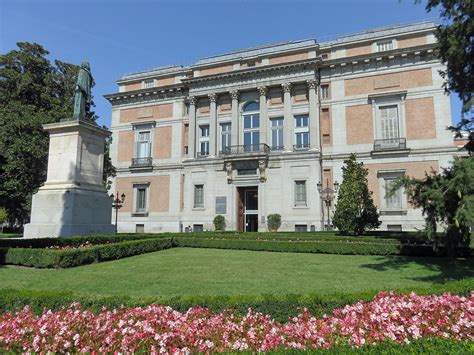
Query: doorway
{"points": [[247, 209]]}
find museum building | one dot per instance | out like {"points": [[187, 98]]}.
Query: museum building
{"points": [[263, 130]]}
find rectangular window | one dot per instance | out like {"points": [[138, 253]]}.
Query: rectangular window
{"points": [[325, 91], [143, 144], [277, 133], [393, 202], [225, 136], [139, 228], [198, 196], [301, 227], [300, 193], [389, 123], [302, 132], [141, 199], [149, 84], [384, 46], [204, 141], [198, 228]]}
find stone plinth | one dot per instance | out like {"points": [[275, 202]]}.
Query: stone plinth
{"points": [[73, 200]]}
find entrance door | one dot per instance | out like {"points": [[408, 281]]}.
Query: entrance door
{"points": [[247, 209]]}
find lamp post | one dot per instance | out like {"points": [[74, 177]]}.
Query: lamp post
{"points": [[117, 204], [326, 195]]}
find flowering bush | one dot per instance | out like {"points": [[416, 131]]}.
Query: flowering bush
{"points": [[157, 328]]}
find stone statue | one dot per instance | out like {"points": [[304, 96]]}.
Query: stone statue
{"points": [[83, 97]]}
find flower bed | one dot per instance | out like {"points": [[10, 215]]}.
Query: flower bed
{"points": [[388, 317]]}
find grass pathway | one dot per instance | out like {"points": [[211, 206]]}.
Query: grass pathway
{"points": [[187, 271]]}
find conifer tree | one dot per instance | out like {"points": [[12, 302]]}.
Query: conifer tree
{"points": [[355, 209]]}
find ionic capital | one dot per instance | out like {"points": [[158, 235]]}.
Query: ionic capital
{"points": [[212, 97], [192, 100], [312, 83], [262, 90], [286, 87], [234, 94]]}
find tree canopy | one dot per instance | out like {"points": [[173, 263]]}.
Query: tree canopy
{"points": [[33, 91], [455, 37]]}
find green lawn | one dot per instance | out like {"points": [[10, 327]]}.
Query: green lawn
{"points": [[186, 271]]}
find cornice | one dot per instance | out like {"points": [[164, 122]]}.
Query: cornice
{"points": [[252, 71], [377, 56], [163, 92]]}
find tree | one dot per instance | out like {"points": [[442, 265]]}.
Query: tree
{"points": [[355, 209], [455, 48], [33, 92], [446, 198], [3, 218]]}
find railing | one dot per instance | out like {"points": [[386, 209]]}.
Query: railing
{"points": [[300, 146], [390, 144], [142, 162], [202, 154], [277, 148], [261, 148]]}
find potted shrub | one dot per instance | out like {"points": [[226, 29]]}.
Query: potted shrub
{"points": [[219, 223], [274, 222]]}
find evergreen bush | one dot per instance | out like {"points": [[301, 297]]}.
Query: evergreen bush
{"points": [[219, 222], [274, 222]]}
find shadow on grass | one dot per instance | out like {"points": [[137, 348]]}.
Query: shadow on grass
{"points": [[447, 269]]}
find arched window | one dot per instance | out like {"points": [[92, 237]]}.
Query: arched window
{"points": [[251, 126], [251, 106]]}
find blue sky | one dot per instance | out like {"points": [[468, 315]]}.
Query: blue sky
{"points": [[118, 36]]}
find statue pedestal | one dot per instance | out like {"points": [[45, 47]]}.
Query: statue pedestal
{"points": [[73, 200]]}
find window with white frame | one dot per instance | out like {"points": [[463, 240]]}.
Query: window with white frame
{"points": [[225, 136], [392, 201], [204, 140], [325, 91], [251, 127], [141, 197], [300, 193], [383, 46], [148, 83], [198, 196], [302, 132], [389, 122], [143, 144], [277, 133]]}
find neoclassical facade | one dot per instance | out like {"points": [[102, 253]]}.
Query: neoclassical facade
{"points": [[253, 132]]}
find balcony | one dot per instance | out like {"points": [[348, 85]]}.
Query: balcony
{"points": [[297, 147], [246, 150], [142, 162], [392, 145]]}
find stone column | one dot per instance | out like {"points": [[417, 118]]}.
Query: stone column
{"points": [[288, 121], [313, 115], [234, 134], [262, 91], [213, 125], [192, 127]]}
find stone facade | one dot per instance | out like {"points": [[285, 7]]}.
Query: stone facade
{"points": [[251, 133]]}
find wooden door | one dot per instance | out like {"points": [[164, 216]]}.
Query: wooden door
{"points": [[240, 209]]}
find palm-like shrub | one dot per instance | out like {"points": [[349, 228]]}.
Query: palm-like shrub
{"points": [[274, 222]]}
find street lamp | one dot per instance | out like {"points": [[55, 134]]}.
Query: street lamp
{"points": [[117, 204], [326, 195]]}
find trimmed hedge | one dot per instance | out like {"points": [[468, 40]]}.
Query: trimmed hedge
{"points": [[322, 247], [51, 258], [278, 306], [74, 241]]}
